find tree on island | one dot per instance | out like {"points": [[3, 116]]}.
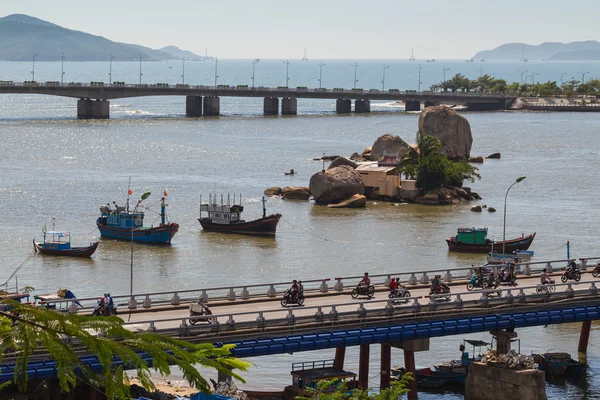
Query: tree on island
{"points": [[26, 330], [431, 168], [324, 391]]}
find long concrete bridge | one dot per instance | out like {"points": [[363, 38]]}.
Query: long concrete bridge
{"points": [[250, 316], [205, 100]]}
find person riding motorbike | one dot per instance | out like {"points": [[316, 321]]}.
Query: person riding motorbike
{"points": [[545, 278], [365, 281], [478, 271], [293, 290], [571, 267], [300, 289], [393, 286], [108, 303], [436, 283]]}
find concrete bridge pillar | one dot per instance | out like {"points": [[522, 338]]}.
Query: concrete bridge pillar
{"points": [[92, 109], [212, 106], [362, 106], [289, 106], [271, 106], [412, 105], [363, 367], [503, 339], [343, 106], [584, 338], [431, 104], [340, 355], [386, 365], [485, 106], [409, 366], [193, 106]]}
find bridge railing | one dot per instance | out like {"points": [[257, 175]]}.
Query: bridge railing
{"points": [[511, 298], [313, 286]]}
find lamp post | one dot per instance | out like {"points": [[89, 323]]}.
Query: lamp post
{"points": [[522, 72], [216, 70], [110, 69], [62, 68], [254, 62], [355, 65], [33, 67], [519, 179], [533, 78], [141, 69], [321, 65], [419, 82], [383, 79], [445, 69], [583, 77], [287, 72], [480, 69], [562, 81], [183, 60]]}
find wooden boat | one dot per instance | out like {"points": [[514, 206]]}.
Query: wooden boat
{"points": [[559, 364], [122, 224], [58, 243], [292, 172], [516, 257], [226, 218], [472, 240], [429, 378]]}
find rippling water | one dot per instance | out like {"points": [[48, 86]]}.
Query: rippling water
{"points": [[56, 166]]}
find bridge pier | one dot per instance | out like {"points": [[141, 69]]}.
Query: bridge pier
{"points": [[409, 366], [92, 109], [386, 365], [340, 355], [343, 106], [362, 106], [193, 106], [271, 106], [485, 106], [363, 367], [212, 106], [503, 339], [412, 105], [289, 106], [584, 338], [431, 104]]}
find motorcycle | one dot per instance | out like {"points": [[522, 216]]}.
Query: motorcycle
{"points": [[288, 298], [475, 282], [574, 274], [596, 270], [511, 279], [399, 293], [197, 310], [441, 289], [546, 288], [101, 310], [361, 290]]}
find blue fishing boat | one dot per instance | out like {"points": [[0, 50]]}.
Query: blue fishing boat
{"points": [[122, 224], [58, 243]]}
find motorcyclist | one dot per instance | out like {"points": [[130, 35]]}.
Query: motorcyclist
{"points": [[571, 266], [436, 283], [293, 291], [545, 278], [300, 289], [479, 272], [204, 306], [108, 304], [393, 286], [365, 281]]}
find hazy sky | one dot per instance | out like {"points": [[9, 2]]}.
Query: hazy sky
{"points": [[353, 29]]}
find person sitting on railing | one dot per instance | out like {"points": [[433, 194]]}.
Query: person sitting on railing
{"points": [[545, 278]]}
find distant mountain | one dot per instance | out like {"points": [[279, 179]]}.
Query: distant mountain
{"points": [[176, 52], [586, 50], [21, 36]]}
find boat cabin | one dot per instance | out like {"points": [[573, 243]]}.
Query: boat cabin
{"points": [[307, 375], [472, 235], [119, 217], [223, 213], [54, 240]]}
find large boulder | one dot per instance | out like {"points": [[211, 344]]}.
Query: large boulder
{"points": [[295, 193], [389, 145], [342, 161], [273, 191], [450, 127], [336, 184]]}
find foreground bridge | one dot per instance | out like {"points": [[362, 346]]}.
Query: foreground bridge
{"points": [[330, 319], [205, 100]]}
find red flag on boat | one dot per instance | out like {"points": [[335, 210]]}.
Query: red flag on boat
{"points": [[165, 193], [129, 192]]}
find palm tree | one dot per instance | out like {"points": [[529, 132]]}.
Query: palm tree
{"points": [[426, 145]]}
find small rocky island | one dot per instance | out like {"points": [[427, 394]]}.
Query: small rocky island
{"points": [[389, 169]]}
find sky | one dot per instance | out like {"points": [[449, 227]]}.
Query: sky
{"points": [[328, 29]]}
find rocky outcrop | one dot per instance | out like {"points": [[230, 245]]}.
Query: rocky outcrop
{"points": [[273, 191], [443, 195], [476, 159], [357, 157], [356, 201], [336, 184], [388, 145], [295, 193], [367, 152], [451, 128], [342, 161], [494, 156]]}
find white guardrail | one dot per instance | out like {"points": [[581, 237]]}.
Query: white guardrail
{"points": [[388, 308], [314, 286]]}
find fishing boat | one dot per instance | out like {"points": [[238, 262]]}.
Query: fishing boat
{"points": [[226, 217], [516, 257], [431, 60], [58, 243], [123, 224], [472, 240], [559, 364], [461, 366], [291, 172], [428, 378]]}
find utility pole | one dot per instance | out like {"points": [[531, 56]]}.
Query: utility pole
{"points": [[287, 72], [321, 65], [383, 79], [216, 76], [33, 67], [141, 69], [62, 68], [254, 62], [355, 65], [445, 69], [110, 69], [419, 81]]}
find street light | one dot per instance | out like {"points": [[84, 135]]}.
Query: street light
{"points": [[419, 82], [321, 65], [561, 78], [522, 72], [216, 76], [583, 77], [33, 67], [183, 60], [533, 78], [287, 72], [480, 69], [110, 69], [355, 65], [445, 69], [62, 68], [254, 62], [519, 179], [141, 69], [383, 80]]}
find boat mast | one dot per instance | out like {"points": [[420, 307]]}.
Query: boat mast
{"points": [[264, 208], [128, 193], [162, 211], [200, 208]]}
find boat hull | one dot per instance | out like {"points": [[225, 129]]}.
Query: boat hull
{"points": [[159, 234], [266, 226], [72, 252], [508, 246]]}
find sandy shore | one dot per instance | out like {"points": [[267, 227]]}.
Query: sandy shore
{"points": [[180, 388]]}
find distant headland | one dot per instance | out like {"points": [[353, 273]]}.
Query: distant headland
{"points": [[22, 35], [551, 51]]}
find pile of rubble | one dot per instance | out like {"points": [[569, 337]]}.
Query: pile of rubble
{"points": [[512, 359], [229, 389]]}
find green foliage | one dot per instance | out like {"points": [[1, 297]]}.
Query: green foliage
{"points": [[27, 330], [397, 389]]}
